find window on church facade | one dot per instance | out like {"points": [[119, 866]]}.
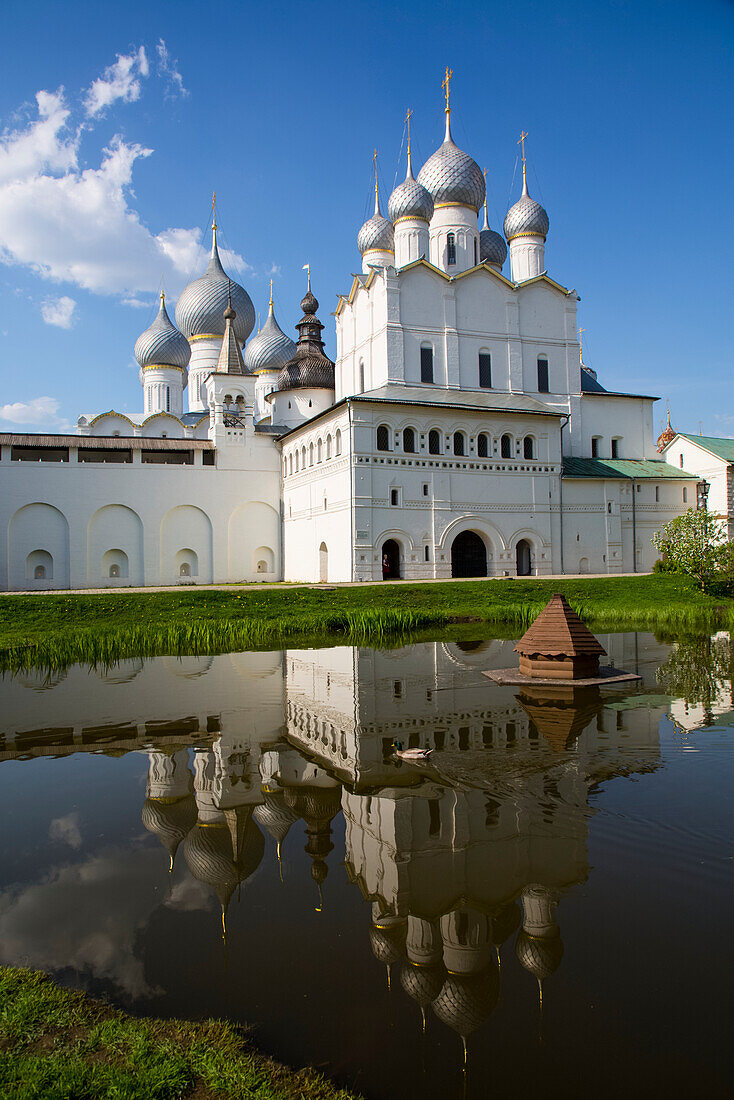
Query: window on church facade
{"points": [[328, 447], [485, 370], [543, 376], [409, 441], [476, 253], [506, 446], [395, 497], [310, 454], [685, 496], [459, 444], [680, 463], [482, 446], [527, 447], [168, 398], [383, 438], [426, 363], [434, 442], [426, 554], [319, 452], [338, 442], [450, 248], [615, 448], [595, 440], [657, 494], [361, 376]]}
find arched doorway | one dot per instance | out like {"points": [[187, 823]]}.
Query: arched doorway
{"points": [[523, 558], [468, 555], [323, 562], [390, 560]]}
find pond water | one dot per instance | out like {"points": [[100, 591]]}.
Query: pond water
{"points": [[553, 889]]}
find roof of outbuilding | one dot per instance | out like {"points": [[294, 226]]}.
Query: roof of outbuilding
{"points": [[559, 632], [481, 400], [625, 469], [722, 448]]}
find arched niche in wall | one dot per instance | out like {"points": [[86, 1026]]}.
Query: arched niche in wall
{"points": [[115, 530], [251, 525], [186, 540], [38, 529]]}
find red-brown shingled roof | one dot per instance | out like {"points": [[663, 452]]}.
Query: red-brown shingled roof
{"points": [[558, 632]]}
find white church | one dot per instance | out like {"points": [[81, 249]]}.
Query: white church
{"points": [[458, 433]]}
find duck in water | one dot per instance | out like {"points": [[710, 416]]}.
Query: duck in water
{"points": [[410, 754]]}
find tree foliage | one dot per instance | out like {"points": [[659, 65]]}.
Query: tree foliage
{"points": [[696, 543]]}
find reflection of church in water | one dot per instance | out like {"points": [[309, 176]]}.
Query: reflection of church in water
{"points": [[464, 859]]}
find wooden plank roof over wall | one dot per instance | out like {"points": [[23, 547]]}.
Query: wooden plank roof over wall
{"points": [[105, 442]]}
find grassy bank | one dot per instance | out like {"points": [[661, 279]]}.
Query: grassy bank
{"points": [[51, 630], [55, 1043]]}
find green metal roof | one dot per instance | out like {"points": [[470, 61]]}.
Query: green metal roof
{"points": [[639, 469], [722, 448]]}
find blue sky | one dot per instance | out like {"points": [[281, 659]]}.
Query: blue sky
{"points": [[118, 120]]}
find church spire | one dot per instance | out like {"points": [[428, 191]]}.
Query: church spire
{"points": [[230, 355]]}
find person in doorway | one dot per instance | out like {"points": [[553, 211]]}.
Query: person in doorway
{"points": [[385, 567]]}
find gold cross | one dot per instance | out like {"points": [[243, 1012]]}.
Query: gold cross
{"points": [[214, 210], [445, 84], [523, 135], [271, 291], [581, 344], [407, 123]]}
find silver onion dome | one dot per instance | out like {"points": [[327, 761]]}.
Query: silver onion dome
{"points": [[410, 199], [526, 218], [451, 176], [377, 232], [271, 349], [492, 248], [162, 344], [200, 308]]}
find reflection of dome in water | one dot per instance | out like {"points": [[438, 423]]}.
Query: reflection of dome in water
{"points": [[122, 672], [467, 1000], [317, 806], [211, 859], [38, 679], [422, 983], [188, 668], [541, 955], [387, 941], [170, 819], [275, 816]]}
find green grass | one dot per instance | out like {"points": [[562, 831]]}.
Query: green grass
{"points": [[57, 630], [58, 1044]]}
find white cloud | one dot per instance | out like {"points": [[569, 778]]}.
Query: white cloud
{"points": [[66, 829], [58, 311], [40, 412], [77, 225], [119, 81], [168, 68]]}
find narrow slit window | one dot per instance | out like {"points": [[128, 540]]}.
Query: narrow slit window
{"points": [[409, 441], [527, 447], [383, 438], [543, 376], [426, 364], [482, 446], [434, 442], [506, 446], [459, 446], [451, 248], [485, 370]]}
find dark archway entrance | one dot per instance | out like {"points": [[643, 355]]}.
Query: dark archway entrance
{"points": [[390, 560], [523, 558], [468, 556]]}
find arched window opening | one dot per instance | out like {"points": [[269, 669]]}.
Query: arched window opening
{"points": [[338, 438], [450, 248], [290, 464], [39, 566], [328, 447], [459, 444], [262, 566], [506, 446], [114, 571], [426, 363], [595, 441], [527, 447], [39, 573], [476, 252], [184, 570], [361, 376], [319, 451], [485, 370], [310, 454], [468, 555], [523, 558], [616, 448], [303, 458], [543, 376], [323, 562], [434, 442], [409, 441], [482, 446], [296, 461], [383, 438]]}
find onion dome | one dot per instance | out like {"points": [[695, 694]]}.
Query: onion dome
{"points": [[541, 955], [451, 176], [467, 1000], [666, 435], [170, 819], [212, 859], [275, 816], [410, 199], [271, 349], [377, 232], [526, 218], [200, 308], [317, 806], [387, 939], [492, 248], [310, 367], [422, 983], [162, 345]]}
